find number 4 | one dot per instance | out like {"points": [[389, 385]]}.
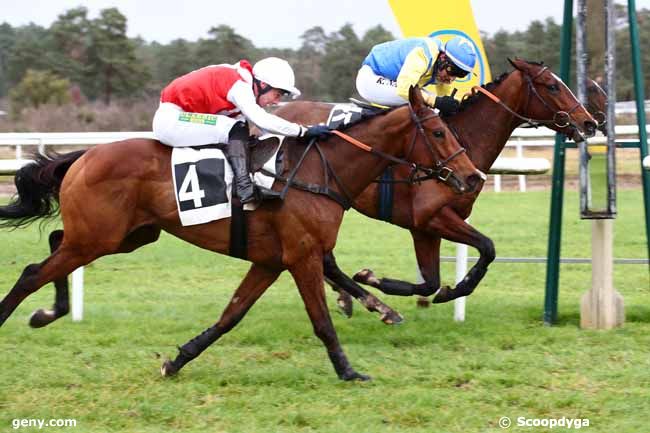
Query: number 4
{"points": [[190, 189]]}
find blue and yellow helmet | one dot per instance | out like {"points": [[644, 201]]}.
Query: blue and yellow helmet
{"points": [[461, 52]]}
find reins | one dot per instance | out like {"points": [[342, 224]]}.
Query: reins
{"points": [[440, 171], [557, 116]]}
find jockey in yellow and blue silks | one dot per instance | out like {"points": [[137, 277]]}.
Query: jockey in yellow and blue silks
{"points": [[392, 67]]}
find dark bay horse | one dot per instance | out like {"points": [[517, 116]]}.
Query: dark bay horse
{"points": [[117, 197], [529, 92], [597, 104]]}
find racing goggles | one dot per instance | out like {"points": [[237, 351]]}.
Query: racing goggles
{"points": [[454, 70]]}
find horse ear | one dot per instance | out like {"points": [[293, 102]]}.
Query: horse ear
{"points": [[415, 96], [514, 65]]}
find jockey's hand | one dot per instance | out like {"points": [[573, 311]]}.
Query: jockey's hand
{"points": [[447, 105], [316, 131]]}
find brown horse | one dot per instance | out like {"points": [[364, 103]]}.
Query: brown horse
{"points": [[529, 92], [117, 197], [597, 104]]}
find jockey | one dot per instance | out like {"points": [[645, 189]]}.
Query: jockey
{"points": [[392, 67], [209, 105]]}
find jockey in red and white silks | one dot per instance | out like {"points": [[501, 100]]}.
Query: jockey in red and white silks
{"points": [[207, 106], [202, 107]]}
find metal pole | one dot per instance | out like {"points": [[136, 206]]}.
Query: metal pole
{"points": [[640, 113], [610, 72], [581, 73], [557, 193]]}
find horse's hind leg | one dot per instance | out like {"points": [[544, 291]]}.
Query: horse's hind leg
{"points": [[63, 261], [337, 278], [43, 317], [308, 275], [257, 280]]}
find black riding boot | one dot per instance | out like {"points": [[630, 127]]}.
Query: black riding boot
{"points": [[237, 154]]}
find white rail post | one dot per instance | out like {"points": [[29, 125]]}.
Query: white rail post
{"points": [[78, 294], [461, 271], [522, 177], [19, 152], [497, 183]]}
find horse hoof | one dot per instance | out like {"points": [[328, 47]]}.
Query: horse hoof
{"points": [[392, 318], [41, 317], [345, 307], [344, 302], [423, 302], [365, 276], [353, 375], [168, 369]]}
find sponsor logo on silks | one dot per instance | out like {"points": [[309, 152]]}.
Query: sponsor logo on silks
{"points": [[481, 64], [205, 119]]}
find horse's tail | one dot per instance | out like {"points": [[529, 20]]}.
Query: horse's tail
{"points": [[37, 185]]}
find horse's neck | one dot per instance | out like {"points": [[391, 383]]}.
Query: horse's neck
{"points": [[484, 127], [355, 168]]}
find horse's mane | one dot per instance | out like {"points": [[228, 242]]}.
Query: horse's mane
{"points": [[471, 99]]}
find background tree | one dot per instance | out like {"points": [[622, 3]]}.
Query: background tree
{"points": [[344, 53], [113, 66], [71, 40], [223, 46], [38, 88], [308, 62], [30, 50], [7, 40]]}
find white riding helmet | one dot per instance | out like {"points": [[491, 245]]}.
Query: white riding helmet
{"points": [[276, 73]]}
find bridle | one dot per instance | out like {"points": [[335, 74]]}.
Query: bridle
{"points": [[440, 170], [561, 118]]}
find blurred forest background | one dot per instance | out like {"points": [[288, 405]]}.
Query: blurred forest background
{"points": [[84, 74]]}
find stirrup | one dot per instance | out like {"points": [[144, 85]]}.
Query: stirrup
{"points": [[264, 193]]}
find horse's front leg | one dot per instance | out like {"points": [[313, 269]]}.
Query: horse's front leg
{"points": [[308, 275], [452, 227], [345, 285], [257, 280], [427, 251]]}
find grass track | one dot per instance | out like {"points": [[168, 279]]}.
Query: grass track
{"points": [[272, 375]]}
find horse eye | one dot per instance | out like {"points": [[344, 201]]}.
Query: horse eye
{"points": [[553, 87], [438, 134]]}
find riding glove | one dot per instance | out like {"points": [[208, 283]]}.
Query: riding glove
{"points": [[316, 131], [447, 105]]}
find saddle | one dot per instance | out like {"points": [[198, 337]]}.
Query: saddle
{"points": [[260, 151]]}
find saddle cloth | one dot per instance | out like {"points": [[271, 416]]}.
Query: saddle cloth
{"points": [[203, 184]]}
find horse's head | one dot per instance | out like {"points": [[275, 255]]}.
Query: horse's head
{"points": [[549, 98], [597, 104], [435, 146]]}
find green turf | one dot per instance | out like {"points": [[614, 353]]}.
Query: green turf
{"points": [[271, 374]]}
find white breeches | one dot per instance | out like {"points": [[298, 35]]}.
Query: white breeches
{"points": [[174, 127], [377, 89]]}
